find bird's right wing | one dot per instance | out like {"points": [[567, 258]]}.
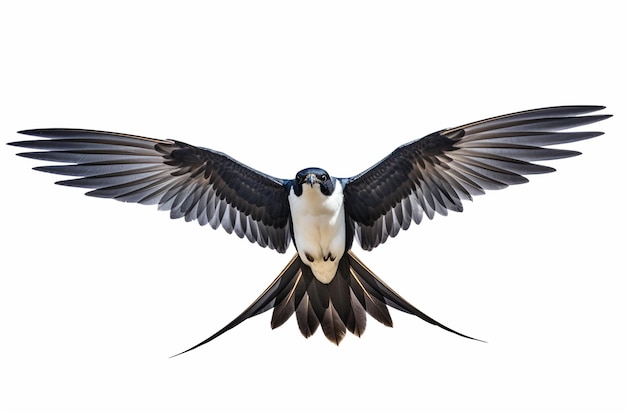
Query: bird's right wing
{"points": [[433, 174], [191, 182]]}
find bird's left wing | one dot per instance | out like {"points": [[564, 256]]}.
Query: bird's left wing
{"points": [[191, 182], [433, 174]]}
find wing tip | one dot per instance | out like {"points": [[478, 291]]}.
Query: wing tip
{"points": [[40, 132], [576, 108]]}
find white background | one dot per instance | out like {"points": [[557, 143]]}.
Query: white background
{"points": [[96, 295]]}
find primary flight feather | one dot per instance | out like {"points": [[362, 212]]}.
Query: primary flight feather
{"points": [[324, 283]]}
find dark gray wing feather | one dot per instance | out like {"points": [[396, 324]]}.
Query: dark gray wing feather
{"points": [[191, 182], [434, 174]]}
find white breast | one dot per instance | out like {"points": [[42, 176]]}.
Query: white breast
{"points": [[319, 229]]}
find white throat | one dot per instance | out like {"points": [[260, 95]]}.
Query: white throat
{"points": [[319, 229]]}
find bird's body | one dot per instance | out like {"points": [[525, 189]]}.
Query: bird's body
{"points": [[324, 284], [319, 228]]}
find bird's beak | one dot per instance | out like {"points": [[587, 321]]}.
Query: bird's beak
{"points": [[311, 179]]}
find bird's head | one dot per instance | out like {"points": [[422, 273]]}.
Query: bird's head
{"points": [[310, 177]]}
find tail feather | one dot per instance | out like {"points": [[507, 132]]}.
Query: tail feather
{"points": [[358, 317], [342, 304], [333, 326], [318, 294], [368, 295], [392, 298], [307, 320], [285, 307], [265, 302]]}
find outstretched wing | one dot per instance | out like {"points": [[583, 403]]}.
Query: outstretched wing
{"points": [[433, 174], [191, 182]]}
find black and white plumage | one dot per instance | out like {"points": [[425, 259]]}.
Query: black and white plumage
{"points": [[324, 283]]}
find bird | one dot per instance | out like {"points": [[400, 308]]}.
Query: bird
{"points": [[324, 284]]}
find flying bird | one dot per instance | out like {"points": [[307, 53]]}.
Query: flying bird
{"points": [[324, 283]]}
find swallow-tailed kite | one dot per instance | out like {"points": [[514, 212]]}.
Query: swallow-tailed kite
{"points": [[324, 283]]}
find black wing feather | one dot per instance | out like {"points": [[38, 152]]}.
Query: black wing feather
{"points": [[191, 182], [434, 174]]}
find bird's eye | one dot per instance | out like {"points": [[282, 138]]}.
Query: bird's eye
{"points": [[324, 177]]}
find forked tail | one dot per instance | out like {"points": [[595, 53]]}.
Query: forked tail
{"points": [[337, 306]]}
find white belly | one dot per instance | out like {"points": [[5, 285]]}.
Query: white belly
{"points": [[319, 229]]}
